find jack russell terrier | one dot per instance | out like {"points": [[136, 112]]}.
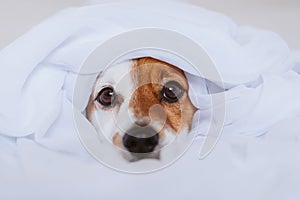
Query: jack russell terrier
{"points": [[141, 106]]}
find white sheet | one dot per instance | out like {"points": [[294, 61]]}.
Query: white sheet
{"points": [[37, 134], [240, 167]]}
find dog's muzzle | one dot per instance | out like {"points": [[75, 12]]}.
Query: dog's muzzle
{"points": [[141, 140]]}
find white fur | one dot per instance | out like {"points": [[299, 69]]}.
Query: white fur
{"points": [[119, 119]]}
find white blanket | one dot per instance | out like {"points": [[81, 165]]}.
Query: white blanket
{"points": [[37, 134]]}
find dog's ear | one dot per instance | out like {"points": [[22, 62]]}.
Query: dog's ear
{"points": [[90, 106], [99, 76]]}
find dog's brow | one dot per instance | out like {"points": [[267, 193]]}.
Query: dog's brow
{"points": [[164, 74], [169, 76]]}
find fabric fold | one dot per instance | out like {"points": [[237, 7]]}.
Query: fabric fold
{"points": [[38, 70]]}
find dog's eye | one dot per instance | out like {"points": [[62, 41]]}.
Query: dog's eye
{"points": [[106, 97], [172, 92]]}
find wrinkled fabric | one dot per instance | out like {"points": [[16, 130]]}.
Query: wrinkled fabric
{"points": [[38, 72]]}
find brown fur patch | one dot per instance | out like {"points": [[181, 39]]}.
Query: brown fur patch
{"points": [[90, 108], [117, 140], [149, 75]]}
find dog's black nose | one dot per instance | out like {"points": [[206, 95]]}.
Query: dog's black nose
{"points": [[140, 144]]}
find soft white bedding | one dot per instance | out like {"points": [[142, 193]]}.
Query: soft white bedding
{"points": [[256, 157], [240, 167]]}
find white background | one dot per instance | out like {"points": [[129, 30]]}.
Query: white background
{"points": [[281, 16]]}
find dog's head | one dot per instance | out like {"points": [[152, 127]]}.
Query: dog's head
{"points": [[141, 105]]}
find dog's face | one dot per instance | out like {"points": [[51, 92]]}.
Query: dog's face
{"points": [[141, 106]]}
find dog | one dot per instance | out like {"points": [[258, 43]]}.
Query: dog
{"points": [[141, 105]]}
